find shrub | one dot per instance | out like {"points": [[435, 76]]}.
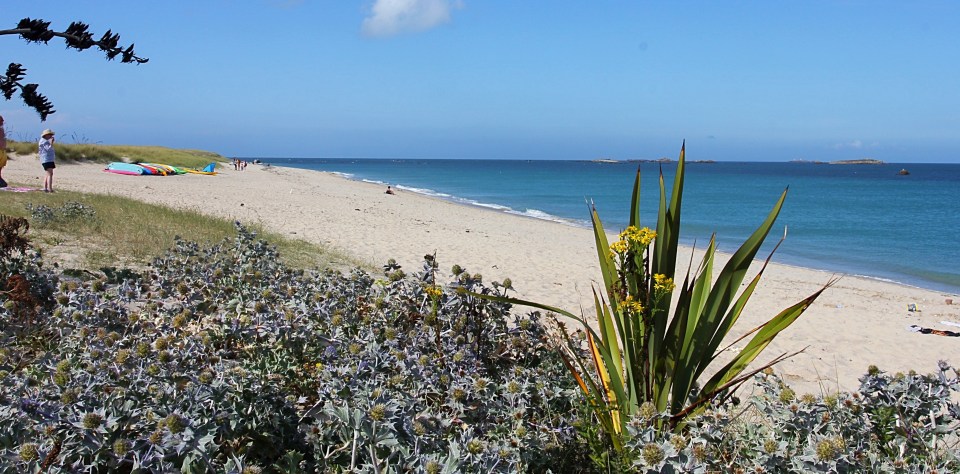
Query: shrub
{"points": [[70, 211], [222, 359], [25, 286], [778, 432]]}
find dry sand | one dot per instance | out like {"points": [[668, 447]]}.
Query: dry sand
{"points": [[856, 323]]}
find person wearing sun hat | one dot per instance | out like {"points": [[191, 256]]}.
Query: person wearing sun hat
{"points": [[46, 155]]}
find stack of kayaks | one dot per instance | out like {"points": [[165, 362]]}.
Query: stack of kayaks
{"points": [[162, 170], [155, 169]]}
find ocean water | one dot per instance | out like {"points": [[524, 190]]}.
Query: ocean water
{"points": [[854, 219]]}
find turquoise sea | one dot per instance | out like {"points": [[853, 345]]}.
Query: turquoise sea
{"points": [[854, 219]]}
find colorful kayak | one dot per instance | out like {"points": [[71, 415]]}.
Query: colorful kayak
{"points": [[207, 170], [193, 171], [165, 169], [125, 168], [152, 170]]}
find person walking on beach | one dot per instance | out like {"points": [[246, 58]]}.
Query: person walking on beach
{"points": [[46, 155], [3, 152]]}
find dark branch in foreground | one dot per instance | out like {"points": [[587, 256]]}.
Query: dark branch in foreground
{"points": [[76, 36]]}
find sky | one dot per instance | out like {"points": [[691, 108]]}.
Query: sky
{"points": [[504, 79]]}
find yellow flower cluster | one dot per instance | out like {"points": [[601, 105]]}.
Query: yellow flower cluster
{"points": [[641, 237], [619, 247], [632, 238], [662, 283], [632, 305], [433, 291]]}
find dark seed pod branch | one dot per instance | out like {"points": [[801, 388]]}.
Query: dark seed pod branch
{"points": [[76, 36]]}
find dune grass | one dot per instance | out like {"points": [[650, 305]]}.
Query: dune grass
{"points": [[133, 154], [129, 233]]}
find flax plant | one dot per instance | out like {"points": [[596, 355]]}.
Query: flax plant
{"points": [[641, 360]]}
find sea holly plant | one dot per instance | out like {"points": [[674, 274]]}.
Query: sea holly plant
{"points": [[639, 359]]}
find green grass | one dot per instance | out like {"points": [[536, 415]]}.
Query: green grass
{"points": [[134, 154], [129, 233]]}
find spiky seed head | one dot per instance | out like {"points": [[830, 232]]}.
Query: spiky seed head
{"points": [[652, 454]]}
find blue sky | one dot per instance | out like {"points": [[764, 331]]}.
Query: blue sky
{"points": [[530, 79]]}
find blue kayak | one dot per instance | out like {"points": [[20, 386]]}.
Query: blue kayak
{"points": [[125, 168]]}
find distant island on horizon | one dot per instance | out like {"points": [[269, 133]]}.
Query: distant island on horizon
{"points": [[862, 161], [641, 160]]}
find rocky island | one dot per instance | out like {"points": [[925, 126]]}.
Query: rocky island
{"points": [[863, 161]]}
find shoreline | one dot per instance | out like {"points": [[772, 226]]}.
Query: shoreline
{"points": [[856, 323], [799, 253], [586, 225]]}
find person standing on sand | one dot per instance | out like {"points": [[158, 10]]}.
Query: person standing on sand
{"points": [[3, 152], [46, 155]]}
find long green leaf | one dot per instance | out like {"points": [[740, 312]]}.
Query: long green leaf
{"points": [[609, 334], [610, 331], [734, 314], [702, 285], [664, 261], [707, 396], [688, 366], [594, 388], [668, 360], [635, 201], [668, 221], [728, 321], [532, 304], [764, 336], [612, 380], [707, 338], [662, 380], [593, 392], [607, 267]]}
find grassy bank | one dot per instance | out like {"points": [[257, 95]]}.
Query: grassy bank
{"points": [[90, 231], [132, 154]]}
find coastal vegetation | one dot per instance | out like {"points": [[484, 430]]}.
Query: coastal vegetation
{"points": [[97, 153], [85, 232], [216, 352]]}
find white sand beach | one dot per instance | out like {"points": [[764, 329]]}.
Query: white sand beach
{"points": [[856, 323]]}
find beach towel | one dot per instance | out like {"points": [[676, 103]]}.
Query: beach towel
{"points": [[950, 323], [15, 189], [938, 332]]}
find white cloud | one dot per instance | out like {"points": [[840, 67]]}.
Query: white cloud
{"points": [[393, 17]]}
